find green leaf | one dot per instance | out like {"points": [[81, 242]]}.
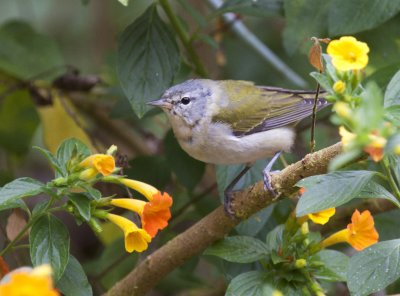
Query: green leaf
{"points": [[374, 268], [375, 190], [392, 94], [92, 192], [188, 170], [148, 58], [74, 281], [274, 238], [19, 188], [247, 284], [259, 8], [323, 80], [394, 163], [255, 223], [331, 190], [82, 204], [392, 113], [25, 53], [335, 266], [69, 149], [387, 225], [49, 243], [240, 249], [51, 158], [349, 17], [304, 19]]}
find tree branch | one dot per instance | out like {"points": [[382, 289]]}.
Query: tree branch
{"points": [[216, 225]]}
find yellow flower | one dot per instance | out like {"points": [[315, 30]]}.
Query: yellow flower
{"points": [[343, 110], [322, 217], [347, 137], [98, 163], [397, 149], [29, 282], [360, 233], [154, 214], [146, 190], [136, 239], [348, 54], [339, 87]]}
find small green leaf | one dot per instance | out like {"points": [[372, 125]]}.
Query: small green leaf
{"points": [[82, 204], [68, 149], [387, 225], [255, 223], [349, 17], [335, 266], [74, 281], [92, 192], [188, 170], [394, 163], [19, 188], [331, 190], [25, 53], [374, 268], [392, 94], [247, 284], [49, 243], [274, 238], [240, 249], [51, 158], [148, 58], [124, 2], [323, 80]]}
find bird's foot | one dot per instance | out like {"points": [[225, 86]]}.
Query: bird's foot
{"points": [[228, 204], [267, 182]]}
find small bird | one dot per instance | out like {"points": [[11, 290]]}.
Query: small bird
{"points": [[234, 121]]}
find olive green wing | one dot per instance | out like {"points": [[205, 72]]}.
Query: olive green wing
{"points": [[251, 109]]}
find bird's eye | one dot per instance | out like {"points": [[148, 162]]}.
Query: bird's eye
{"points": [[185, 100]]}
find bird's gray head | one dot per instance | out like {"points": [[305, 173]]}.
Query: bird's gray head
{"points": [[186, 101]]}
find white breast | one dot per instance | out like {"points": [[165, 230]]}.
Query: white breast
{"points": [[216, 144]]}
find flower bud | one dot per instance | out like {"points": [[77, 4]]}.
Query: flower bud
{"points": [[339, 87], [343, 110], [300, 263], [304, 228]]}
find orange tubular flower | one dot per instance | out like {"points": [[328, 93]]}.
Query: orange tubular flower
{"points": [[154, 214], [146, 190], [29, 282], [136, 239], [322, 217], [98, 163], [360, 233], [375, 148]]}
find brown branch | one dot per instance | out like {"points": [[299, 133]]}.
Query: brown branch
{"points": [[216, 225]]}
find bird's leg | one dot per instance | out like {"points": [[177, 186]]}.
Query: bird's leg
{"points": [[267, 175], [229, 191]]}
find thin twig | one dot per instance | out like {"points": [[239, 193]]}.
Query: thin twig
{"points": [[266, 53], [314, 119]]}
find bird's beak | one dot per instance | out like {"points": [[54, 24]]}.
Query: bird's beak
{"points": [[160, 103]]}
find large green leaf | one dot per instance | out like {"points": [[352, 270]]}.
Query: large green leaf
{"points": [[188, 170], [375, 190], [148, 58], [74, 281], [19, 188], [49, 243], [374, 268], [392, 113], [260, 8], [331, 190], [392, 94], [247, 284], [240, 249], [335, 266], [349, 17], [304, 19], [24, 52], [387, 225]]}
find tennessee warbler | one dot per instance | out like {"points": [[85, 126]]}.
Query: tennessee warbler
{"points": [[230, 121]]}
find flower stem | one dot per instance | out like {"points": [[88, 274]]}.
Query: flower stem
{"points": [[176, 24], [391, 180]]}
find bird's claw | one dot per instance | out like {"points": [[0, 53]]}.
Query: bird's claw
{"points": [[228, 204], [267, 182]]}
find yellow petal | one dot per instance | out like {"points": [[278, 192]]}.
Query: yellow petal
{"points": [[146, 190], [322, 217], [131, 204]]}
